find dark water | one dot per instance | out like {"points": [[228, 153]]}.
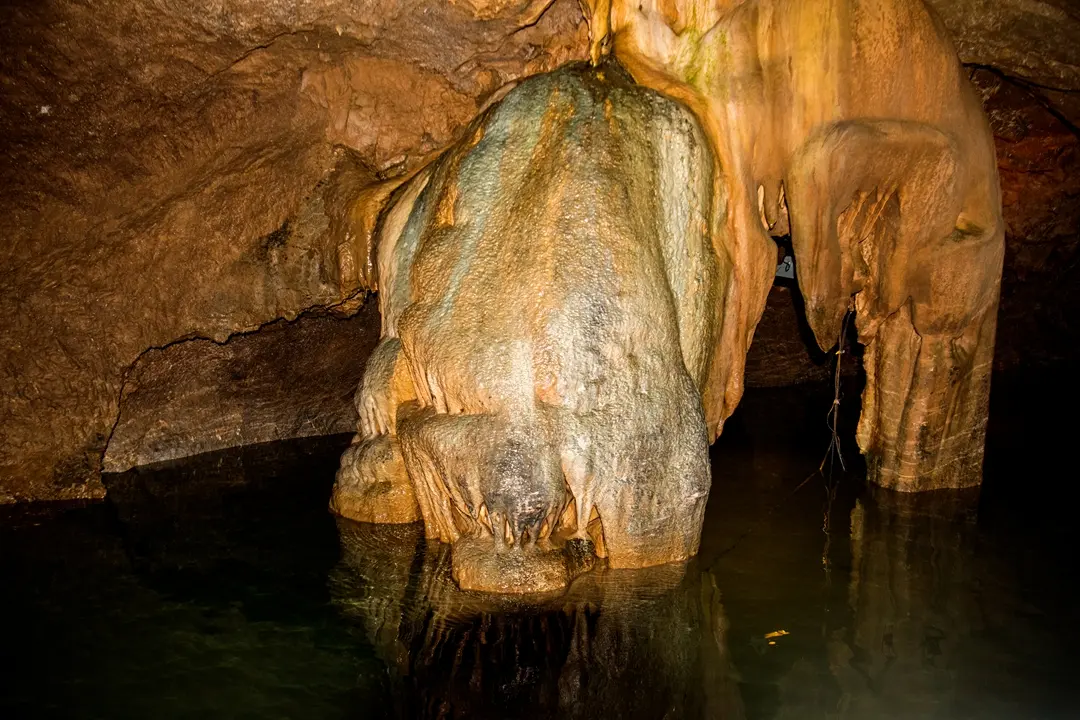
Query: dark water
{"points": [[221, 587]]}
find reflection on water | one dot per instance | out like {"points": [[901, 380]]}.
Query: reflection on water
{"points": [[628, 643], [221, 587], [910, 594]]}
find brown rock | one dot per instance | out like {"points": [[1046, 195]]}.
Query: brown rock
{"points": [[1038, 161], [885, 180], [162, 170], [388, 111], [784, 351], [287, 380], [372, 485], [1035, 39]]}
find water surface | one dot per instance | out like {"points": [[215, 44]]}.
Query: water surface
{"points": [[220, 586]]}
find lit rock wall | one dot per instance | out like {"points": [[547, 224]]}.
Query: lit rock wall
{"points": [[153, 153], [161, 179], [287, 380]]}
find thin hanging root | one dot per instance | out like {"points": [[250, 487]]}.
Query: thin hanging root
{"points": [[834, 410]]}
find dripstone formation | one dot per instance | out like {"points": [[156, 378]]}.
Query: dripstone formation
{"points": [[548, 293], [568, 293]]}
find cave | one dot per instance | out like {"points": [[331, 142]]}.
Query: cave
{"points": [[787, 286]]}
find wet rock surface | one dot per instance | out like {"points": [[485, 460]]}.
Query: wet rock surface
{"points": [[548, 315]]}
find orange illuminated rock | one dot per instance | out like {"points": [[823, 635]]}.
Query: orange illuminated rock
{"points": [[372, 485], [548, 292], [851, 125], [171, 175], [569, 293]]}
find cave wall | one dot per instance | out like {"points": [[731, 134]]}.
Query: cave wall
{"points": [[1037, 163], [289, 379], [154, 153], [179, 172]]}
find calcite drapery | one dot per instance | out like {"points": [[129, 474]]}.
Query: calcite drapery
{"points": [[568, 294], [548, 293], [851, 124]]}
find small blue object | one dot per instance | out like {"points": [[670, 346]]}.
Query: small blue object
{"points": [[786, 268]]}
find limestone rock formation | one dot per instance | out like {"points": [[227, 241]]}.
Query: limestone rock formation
{"points": [[168, 174], [535, 367], [176, 172], [286, 380], [548, 292], [886, 181]]}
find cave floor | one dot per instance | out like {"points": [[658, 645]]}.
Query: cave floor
{"points": [[220, 586]]}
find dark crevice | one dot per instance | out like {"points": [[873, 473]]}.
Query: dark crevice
{"points": [[249, 52], [1022, 81], [816, 353]]}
